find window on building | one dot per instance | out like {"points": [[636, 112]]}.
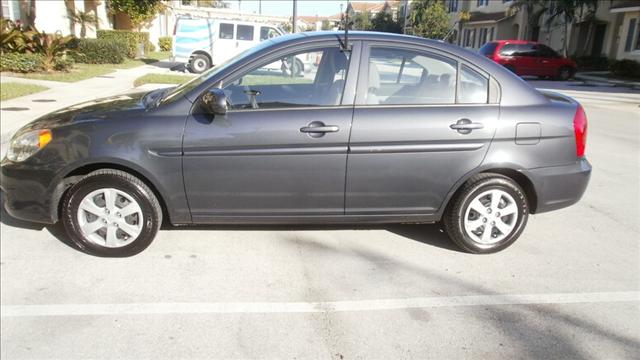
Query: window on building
{"points": [[630, 32], [491, 38], [473, 37], [453, 5], [482, 39], [467, 36], [482, 3], [226, 31], [245, 32], [637, 45], [402, 76]]}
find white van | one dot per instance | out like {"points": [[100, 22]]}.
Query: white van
{"points": [[201, 43]]}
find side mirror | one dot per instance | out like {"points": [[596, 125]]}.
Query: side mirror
{"points": [[215, 102]]}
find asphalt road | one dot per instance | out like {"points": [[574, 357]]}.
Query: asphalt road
{"points": [[569, 288]]}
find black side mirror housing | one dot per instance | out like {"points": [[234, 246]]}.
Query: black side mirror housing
{"points": [[215, 102]]}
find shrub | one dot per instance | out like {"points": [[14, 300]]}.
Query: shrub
{"points": [[594, 63], [23, 63], [100, 51], [149, 47], [131, 38], [50, 46], [628, 68], [63, 63], [165, 43]]}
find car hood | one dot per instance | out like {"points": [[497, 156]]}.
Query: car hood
{"points": [[94, 110]]}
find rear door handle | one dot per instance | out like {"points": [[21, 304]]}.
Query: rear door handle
{"points": [[319, 129], [465, 126]]}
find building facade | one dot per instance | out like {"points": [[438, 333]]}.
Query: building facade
{"points": [[609, 29]]}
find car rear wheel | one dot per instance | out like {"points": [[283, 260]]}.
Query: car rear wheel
{"points": [[111, 213], [565, 73], [488, 214], [199, 63]]}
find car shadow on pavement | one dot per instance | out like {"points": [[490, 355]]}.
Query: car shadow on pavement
{"points": [[428, 234]]}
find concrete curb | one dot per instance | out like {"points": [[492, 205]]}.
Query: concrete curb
{"points": [[598, 80]]}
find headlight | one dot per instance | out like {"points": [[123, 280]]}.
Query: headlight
{"points": [[25, 144]]}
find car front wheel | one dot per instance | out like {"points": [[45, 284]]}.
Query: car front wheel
{"points": [[488, 214], [199, 63], [111, 213]]}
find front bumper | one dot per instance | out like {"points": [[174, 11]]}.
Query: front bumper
{"points": [[559, 186], [30, 193]]}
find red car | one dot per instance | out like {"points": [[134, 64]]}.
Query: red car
{"points": [[529, 58]]}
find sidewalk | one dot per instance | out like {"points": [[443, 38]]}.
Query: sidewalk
{"points": [[61, 94], [602, 78]]}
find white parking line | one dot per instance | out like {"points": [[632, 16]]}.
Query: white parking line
{"points": [[7, 311]]}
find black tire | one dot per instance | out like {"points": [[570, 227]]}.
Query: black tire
{"points": [[564, 73], [199, 63], [454, 215], [292, 68], [122, 181], [298, 67]]}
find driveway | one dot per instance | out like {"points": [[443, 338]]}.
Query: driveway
{"points": [[568, 288]]}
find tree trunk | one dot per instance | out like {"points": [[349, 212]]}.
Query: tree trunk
{"points": [[28, 12]]}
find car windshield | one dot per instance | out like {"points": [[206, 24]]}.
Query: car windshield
{"points": [[488, 49], [183, 89]]}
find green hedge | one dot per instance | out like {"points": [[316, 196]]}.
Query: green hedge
{"points": [[100, 51], [592, 63], [627, 68], [131, 38], [165, 43], [22, 63]]}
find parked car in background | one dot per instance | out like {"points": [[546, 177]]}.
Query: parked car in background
{"points": [[391, 129], [527, 58], [201, 43]]}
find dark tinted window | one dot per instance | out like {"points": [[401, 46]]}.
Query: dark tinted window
{"points": [[245, 32], [226, 31], [488, 48], [547, 52]]}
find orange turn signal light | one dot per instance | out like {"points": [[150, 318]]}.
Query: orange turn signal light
{"points": [[44, 137]]}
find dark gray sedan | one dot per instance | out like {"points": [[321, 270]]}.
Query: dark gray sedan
{"points": [[384, 129]]}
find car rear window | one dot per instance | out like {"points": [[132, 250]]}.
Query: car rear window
{"points": [[488, 49]]}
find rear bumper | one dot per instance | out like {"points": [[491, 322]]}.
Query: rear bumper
{"points": [[559, 186]]}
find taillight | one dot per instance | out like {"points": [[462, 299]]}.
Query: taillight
{"points": [[580, 130]]}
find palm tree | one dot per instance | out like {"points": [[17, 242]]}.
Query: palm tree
{"points": [[85, 19]]}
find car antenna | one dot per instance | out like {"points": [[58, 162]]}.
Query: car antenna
{"points": [[344, 45]]}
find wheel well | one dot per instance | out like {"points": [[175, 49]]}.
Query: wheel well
{"points": [[519, 178], [523, 182], [200, 52], [75, 175]]}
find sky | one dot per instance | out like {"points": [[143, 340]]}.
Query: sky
{"points": [[285, 7]]}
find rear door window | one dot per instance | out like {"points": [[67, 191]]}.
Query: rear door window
{"points": [[226, 31], [474, 87], [245, 32]]}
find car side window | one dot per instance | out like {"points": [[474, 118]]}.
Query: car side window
{"points": [[402, 76], [245, 32], [267, 33], [300, 79], [474, 87], [226, 31]]}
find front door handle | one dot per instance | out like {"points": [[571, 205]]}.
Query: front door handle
{"points": [[465, 126], [318, 129]]}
